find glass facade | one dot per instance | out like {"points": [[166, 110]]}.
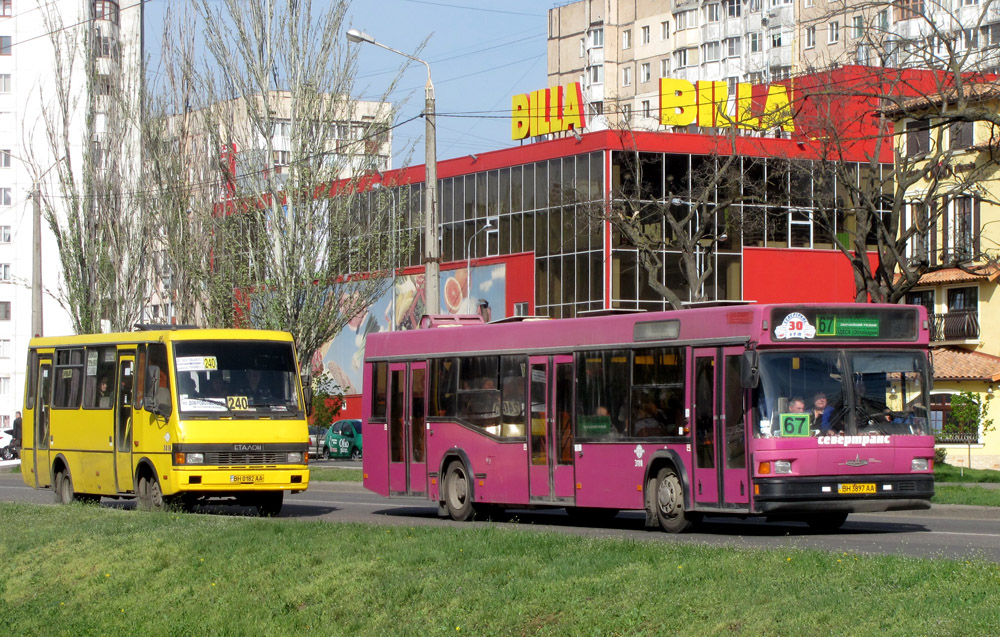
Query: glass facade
{"points": [[555, 209]]}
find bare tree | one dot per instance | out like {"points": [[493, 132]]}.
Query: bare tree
{"points": [[276, 164], [91, 118]]}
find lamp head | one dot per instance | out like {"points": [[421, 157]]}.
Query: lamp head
{"points": [[354, 35]]}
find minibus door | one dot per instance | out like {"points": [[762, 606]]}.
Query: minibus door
{"points": [[417, 428], [398, 465], [123, 423], [43, 477]]}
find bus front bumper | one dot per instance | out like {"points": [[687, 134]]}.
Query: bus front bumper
{"points": [[853, 494]]}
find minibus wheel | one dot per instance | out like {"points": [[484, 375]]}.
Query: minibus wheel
{"points": [[64, 488], [827, 521], [668, 501], [149, 492], [458, 493], [269, 503]]}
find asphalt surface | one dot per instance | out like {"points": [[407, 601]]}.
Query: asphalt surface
{"points": [[945, 531]]}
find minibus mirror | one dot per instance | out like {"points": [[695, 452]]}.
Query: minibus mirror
{"points": [[750, 369], [152, 383], [307, 393]]}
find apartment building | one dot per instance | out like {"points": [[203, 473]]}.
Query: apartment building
{"points": [[99, 50], [619, 49]]}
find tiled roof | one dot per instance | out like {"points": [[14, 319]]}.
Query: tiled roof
{"points": [[970, 92], [952, 363], [957, 275]]}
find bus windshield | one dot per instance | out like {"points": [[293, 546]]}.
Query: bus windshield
{"points": [[841, 392], [242, 379]]}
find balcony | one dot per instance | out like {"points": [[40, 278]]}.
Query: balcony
{"points": [[959, 325]]}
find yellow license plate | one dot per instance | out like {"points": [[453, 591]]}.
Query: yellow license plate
{"points": [[858, 487], [246, 478]]}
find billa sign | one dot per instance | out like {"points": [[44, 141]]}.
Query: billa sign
{"points": [[550, 110], [705, 104]]}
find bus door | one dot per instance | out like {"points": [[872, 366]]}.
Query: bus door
{"points": [[720, 474], [123, 422], [550, 445], [407, 429], [40, 444]]}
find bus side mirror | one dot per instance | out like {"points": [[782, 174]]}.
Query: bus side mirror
{"points": [[307, 393], [152, 383], [750, 369]]}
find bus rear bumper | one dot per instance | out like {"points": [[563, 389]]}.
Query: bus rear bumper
{"points": [[834, 493]]}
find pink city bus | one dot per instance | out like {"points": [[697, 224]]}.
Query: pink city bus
{"points": [[791, 412]]}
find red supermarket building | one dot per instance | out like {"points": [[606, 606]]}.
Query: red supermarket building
{"points": [[528, 219]]}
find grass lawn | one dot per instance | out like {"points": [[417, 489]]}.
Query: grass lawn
{"points": [[78, 569], [334, 474]]}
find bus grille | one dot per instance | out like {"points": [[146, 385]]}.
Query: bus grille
{"points": [[906, 486], [246, 457]]}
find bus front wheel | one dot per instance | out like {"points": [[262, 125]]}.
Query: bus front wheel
{"points": [[458, 493], [149, 493], [269, 503], [668, 501], [64, 488], [827, 522]]}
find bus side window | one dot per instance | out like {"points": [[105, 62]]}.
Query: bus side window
{"points": [[140, 376], [160, 393]]}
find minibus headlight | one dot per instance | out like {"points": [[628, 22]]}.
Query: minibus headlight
{"points": [[195, 458], [919, 464], [294, 457], [782, 466]]}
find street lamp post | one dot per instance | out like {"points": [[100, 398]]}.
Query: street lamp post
{"points": [[432, 253], [468, 253]]}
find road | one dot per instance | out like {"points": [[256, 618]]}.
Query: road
{"points": [[949, 531]]}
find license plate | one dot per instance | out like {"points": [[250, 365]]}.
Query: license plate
{"points": [[858, 487], [246, 478]]}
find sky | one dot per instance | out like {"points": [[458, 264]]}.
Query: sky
{"points": [[480, 52]]}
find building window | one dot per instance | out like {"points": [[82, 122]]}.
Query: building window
{"points": [[596, 74], [4, 82], [627, 112], [833, 33], [963, 299], [5, 45], [665, 30], [5, 234], [644, 73], [646, 110], [776, 38], [712, 13], [627, 76], [281, 128], [664, 67], [755, 6], [734, 8], [281, 157], [6, 8], [626, 39], [859, 27], [811, 37], [5, 348], [4, 158], [680, 59], [684, 20], [924, 298], [733, 47], [5, 272], [645, 35], [918, 138], [106, 10], [754, 42], [960, 135], [711, 51], [961, 227], [102, 85], [4, 310], [4, 385], [5, 198], [596, 37], [102, 44]]}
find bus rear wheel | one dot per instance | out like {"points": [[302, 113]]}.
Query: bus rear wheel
{"points": [[149, 493], [458, 493], [668, 501], [269, 503], [827, 521]]}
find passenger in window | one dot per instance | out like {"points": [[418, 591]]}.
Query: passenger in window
{"points": [[796, 405], [103, 393], [822, 415]]}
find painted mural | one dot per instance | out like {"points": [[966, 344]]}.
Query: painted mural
{"points": [[481, 291]]}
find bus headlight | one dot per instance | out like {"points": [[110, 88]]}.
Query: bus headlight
{"points": [[919, 464], [782, 466], [295, 457], [195, 458]]}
